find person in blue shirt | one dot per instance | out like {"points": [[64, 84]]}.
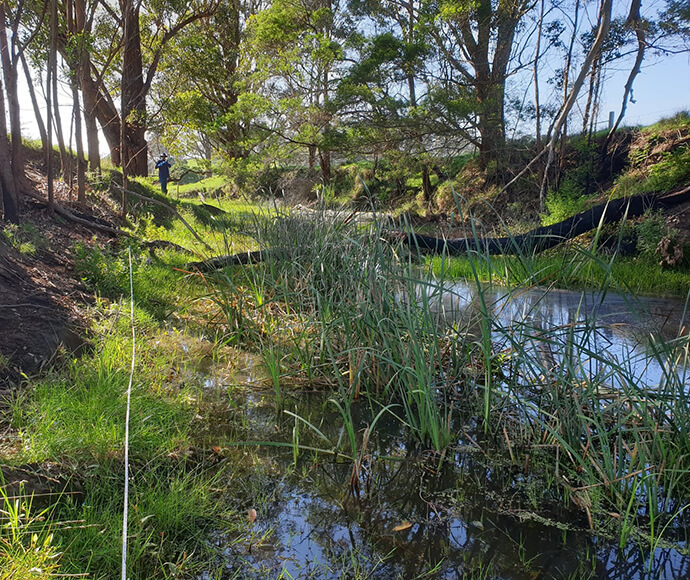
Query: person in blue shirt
{"points": [[163, 172]]}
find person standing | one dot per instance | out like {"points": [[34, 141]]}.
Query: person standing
{"points": [[163, 172]]}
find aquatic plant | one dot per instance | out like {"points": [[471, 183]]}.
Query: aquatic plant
{"points": [[353, 311]]}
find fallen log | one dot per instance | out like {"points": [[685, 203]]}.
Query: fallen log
{"points": [[243, 258], [534, 241], [543, 238]]}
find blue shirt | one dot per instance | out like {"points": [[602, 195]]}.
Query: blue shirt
{"points": [[163, 169]]}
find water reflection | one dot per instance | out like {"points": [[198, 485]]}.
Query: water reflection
{"points": [[420, 516], [617, 337], [467, 517]]}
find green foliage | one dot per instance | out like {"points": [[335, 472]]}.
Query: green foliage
{"points": [[672, 171], [657, 240], [27, 547], [564, 203], [172, 513], [660, 159], [642, 275], [101, 271], [651, 229], [25, 238], [74, 417], [106, 271], [680, 120]]}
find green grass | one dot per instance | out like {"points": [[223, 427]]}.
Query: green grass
{"points": [[207, 186], [172, 514], [25, 238], [680, 120], [79, 413], [159, 282], [27, 547], [579, 270], [74, 418]]}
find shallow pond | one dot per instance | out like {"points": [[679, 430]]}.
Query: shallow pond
{"points": [[413, 514], [607, 332]]}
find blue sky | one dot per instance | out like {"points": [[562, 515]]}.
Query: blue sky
{"points": [[661, 89]]}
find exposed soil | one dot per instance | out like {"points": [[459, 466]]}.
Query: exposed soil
{"points": [[42, 302]]}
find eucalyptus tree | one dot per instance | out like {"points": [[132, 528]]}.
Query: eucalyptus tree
{"points": [[207, 102], [299, 51], [15, 33], [115, 49], [476, 40], [9, 55], [387, 89]]}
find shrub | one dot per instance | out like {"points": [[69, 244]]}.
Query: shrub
{"points": [[656, 239], [564, 203]]}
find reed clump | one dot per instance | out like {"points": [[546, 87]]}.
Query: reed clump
{"points": [[350, 311]]}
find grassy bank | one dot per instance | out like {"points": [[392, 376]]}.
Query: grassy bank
{"points": [[575, 269], [67, 427], [334, 308]]}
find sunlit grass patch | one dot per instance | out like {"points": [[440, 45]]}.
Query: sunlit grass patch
{"points": [[27, 547], [575, 270], [174, 509], [159, 281]]}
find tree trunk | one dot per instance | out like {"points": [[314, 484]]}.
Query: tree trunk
{"points": [[81, 27], [491, 122], [37, 109], [535, 73], [65, 160], [10, 201], [100, 105], [81, 162], [133, 107], [566, 79], [635, 21], [559, 121], [325, 165], [9, 68], [427, 190], [311, 158], [50, 80]]}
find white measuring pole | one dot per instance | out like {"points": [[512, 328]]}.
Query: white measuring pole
{"points": [[129, 397]]}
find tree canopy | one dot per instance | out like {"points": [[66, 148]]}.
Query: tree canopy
{"points": [[313, 81]]}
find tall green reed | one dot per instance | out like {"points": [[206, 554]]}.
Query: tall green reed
{"points": [[359, 314]]}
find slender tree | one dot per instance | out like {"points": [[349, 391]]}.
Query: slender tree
{"points": [[299, 51], [10, 198], [603, 23], [9, 55]]}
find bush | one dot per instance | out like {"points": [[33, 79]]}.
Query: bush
{"points": [[656, 239], [564, 203], [103, 273], [650, 231]]}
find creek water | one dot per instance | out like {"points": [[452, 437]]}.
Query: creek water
{"points": [[467, 516], [612, 334]]}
